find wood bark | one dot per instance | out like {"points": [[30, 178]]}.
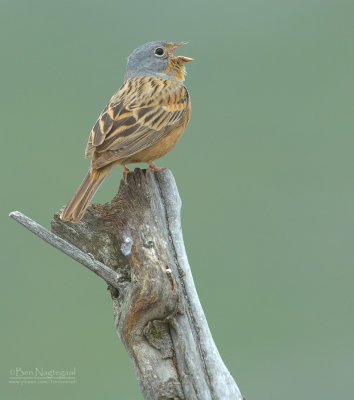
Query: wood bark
{"points": [[157, 311]]}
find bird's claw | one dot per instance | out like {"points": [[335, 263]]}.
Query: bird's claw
{"points": [[126, 171], [153, 167]]}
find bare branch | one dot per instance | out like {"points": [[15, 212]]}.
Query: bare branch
{"points": [[110, 276]]}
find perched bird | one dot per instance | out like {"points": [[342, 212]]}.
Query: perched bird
{"points": [[142, 122]]}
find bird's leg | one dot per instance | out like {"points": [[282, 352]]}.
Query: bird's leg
{"points": [[153, 167], [126, 171]]}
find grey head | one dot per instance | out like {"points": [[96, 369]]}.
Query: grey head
{"points": [[156, 59]]}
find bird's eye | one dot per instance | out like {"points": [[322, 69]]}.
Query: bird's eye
{"points": [[159, 51]]}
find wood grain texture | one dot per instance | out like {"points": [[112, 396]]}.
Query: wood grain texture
{"points": [[157, 311], [115, 279]]}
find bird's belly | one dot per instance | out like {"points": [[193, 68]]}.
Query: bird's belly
{"points": [[157, 150]]}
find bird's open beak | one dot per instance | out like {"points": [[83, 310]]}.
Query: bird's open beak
{"points": [[173, 47], [184, 59]]}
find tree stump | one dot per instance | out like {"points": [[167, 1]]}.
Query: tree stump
{"points": [[157, 311]]}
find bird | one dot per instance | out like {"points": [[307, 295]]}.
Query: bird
{"points": [[142, 121]]}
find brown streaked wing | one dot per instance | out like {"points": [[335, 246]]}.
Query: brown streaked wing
{"points": [[103, 125], [135, 145], [144, 110]]}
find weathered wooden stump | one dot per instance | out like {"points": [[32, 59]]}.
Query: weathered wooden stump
{"points": [[157, 312]]}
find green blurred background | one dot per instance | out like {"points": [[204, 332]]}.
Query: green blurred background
{"points": [[264, 170]]}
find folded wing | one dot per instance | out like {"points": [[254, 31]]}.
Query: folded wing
{"points": [[144, 110]]}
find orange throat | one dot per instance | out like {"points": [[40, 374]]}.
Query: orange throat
{"points": [[176, 68]]}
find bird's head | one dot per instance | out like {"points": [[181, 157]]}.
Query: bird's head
{"points": [[157, 58]]}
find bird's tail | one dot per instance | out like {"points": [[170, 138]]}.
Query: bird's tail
{"points": [[76, 207]]}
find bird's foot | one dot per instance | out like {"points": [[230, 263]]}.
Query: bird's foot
{"points": [[153, 167], [126, 171]]}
